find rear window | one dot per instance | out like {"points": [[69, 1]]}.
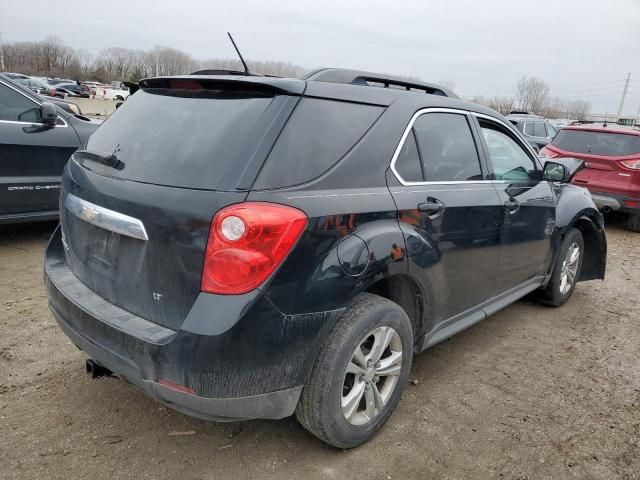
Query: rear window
{"points": [[181, 137], [318, 134], [597, 143]]}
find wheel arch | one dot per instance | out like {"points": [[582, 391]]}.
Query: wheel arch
{"points": [[575, 209], [594, 261], [409, 295]]}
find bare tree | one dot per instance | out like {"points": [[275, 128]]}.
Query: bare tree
{"points": [[86, 61], [51, 51], [504, 105], [117, 61], [578, 109], [169, 61], [449, 83], [532, 94]]}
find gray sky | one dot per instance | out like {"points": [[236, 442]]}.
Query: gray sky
{"points": [[581, 48]]}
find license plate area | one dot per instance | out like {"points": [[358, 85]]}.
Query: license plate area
{"points": [[96, 248], [102, 252]]}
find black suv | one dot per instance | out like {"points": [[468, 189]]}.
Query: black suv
{"points": [[538, 131], [247, 247], [36, 139]]}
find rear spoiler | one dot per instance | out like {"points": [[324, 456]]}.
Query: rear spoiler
{"points": [[269, 85]]}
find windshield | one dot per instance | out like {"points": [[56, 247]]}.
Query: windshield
{"points": [[185, 138], [597, 143]]}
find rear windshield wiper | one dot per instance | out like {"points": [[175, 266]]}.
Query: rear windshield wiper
{"points": [[108, 159]]}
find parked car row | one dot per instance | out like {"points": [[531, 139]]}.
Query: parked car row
{"points": [[65, 88]]}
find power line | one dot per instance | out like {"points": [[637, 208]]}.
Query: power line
{"points": [[577, 97], [589, 90], [621, 80]]}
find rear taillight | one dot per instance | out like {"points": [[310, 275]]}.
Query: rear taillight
{"points": [[547, 153], [632, 164], [247, 242]]}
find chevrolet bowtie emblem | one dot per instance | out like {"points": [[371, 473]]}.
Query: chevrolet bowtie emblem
{"points": [[89, 213]]}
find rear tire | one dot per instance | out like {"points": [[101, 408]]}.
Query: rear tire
{"points": [[633, 223], [566, 271], [347, 399]]}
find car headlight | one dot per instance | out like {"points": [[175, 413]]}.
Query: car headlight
{"points": [[75, 108]]}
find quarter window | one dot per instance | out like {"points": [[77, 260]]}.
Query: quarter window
{"points": [[16, 107], [408, 161], [510, 161]]}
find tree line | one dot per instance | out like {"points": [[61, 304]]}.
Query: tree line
{"points": [[533, 95], [52, 58]]}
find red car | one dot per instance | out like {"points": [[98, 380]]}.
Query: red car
{"points": [[612, 165]]}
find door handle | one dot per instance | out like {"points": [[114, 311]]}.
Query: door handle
{"points": [[512, 205], [432, 207]]}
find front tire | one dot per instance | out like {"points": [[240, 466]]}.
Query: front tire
{"points": [[566, 271], [360, 373]]}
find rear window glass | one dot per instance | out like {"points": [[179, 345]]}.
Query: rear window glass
{"points": [[318, 134], [597, 143], [180, 137]]}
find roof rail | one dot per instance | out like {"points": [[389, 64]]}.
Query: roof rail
{"points": [[357, 77]]}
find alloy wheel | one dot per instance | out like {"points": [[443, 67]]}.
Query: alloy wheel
{"points": [[371, 375], [569, 268]]}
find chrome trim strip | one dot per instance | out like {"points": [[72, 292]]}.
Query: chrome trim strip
{"points": [[105, 218], [33, 101], [423, 111]]}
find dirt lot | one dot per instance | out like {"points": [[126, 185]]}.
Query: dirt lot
{"points": [[533, 392]]}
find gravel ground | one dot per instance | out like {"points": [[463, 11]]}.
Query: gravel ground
{"points": [[533, 392]]}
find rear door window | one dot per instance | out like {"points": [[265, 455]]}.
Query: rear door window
{"points": [[447, 148], [181, 137], [317, 136], [597, 143]]}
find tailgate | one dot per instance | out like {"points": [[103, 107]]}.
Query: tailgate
{"points": [[157, 278]]}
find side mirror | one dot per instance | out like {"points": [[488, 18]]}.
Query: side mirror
{"points": [[49, 113], [555, 172]]}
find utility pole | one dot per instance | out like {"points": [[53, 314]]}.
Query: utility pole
{"points": [[624, 94], [1, 54]]}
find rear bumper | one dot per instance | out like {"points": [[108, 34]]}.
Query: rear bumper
{"points": [[249, 361], [278, 404]]}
